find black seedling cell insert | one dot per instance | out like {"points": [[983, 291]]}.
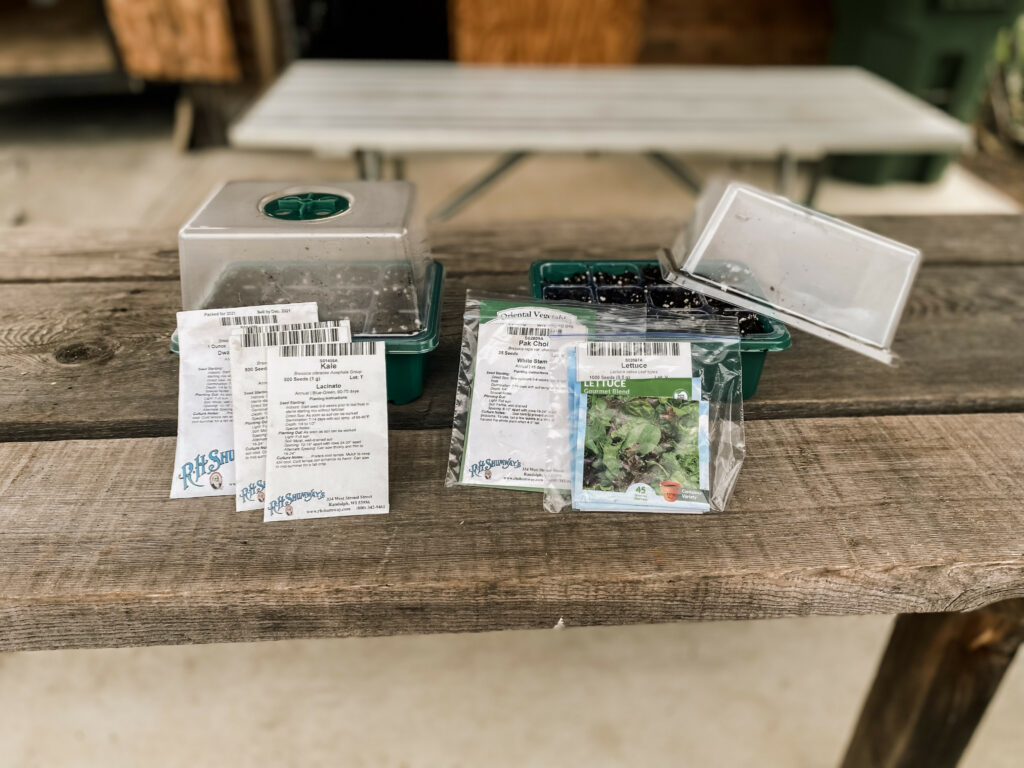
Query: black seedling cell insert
{"points": [[628, 295], [610, 278], [668, 297], [568, 293], [576, 278], [651, 274], [750, 322]]}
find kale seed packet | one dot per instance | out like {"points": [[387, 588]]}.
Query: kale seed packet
{"points": [[640, 428]]}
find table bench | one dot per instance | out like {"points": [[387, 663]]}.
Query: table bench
{"points": [[784, 113], [866, 489]]}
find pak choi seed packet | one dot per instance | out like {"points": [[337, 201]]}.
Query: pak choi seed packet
{"points": [[639, 428], [204, 457], [249, 396], [512, 389]]}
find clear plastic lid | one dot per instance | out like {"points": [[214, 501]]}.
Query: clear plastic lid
{"points": [[352, 247], [765, 253]]}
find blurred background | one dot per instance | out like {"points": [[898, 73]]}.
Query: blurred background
{"points": [[117, 114]]}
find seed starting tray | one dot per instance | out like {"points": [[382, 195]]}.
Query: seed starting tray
{"points": [[379, 300], [640, 283], [404, 354]]}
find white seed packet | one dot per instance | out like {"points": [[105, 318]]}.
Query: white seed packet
{"points": [[512, 403], [512, 389], [204, 456], [249, 395], [327, 431]]}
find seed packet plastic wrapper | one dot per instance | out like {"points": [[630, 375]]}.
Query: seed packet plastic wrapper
{"points": [[511, 387], [667, 439], [767, 254], [249, 347]]}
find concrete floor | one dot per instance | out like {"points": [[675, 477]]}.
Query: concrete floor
{"points": [[767, 694]]}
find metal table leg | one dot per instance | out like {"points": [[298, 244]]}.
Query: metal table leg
{"points": [[818, 172], [371, 164], [461, 198], [677, 170], [785, 171]]}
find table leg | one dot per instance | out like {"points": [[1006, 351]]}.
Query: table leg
{"points": [[460, 199], [934, 682], [785, 172], [677, 170], [371, 164], [398, 166], [819, 169]]}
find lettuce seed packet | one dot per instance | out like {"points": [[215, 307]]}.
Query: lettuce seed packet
{"points": [[639, 428]]}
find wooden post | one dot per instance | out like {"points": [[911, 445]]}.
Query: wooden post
{"points": [[935, 680]]}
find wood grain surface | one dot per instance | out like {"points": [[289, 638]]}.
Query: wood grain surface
{"points": [[906, 498], [831, 516], [86, 317]]}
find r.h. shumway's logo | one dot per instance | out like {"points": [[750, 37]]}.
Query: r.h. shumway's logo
{"points": [[484, 466], [282, 505], [205, 464], [252, 491]]}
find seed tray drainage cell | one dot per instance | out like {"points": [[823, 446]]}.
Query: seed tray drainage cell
{"points": [[631, 295], [568, 293], [668, 297], [631, 277]]}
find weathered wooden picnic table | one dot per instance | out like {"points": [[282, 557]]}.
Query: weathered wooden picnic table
{"points": [[866, 489]]}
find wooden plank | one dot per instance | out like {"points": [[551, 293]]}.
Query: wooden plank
{"points": [[29, 254], [830, 516], [106, 344], [935, 682], [102, 338], [807, 111]]}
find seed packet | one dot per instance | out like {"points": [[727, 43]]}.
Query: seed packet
{"points": [[640, 430], [249, 395], [204, 456], [327, 431], [512, 388]]}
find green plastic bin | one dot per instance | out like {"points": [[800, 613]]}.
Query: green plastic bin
{"points": [[406, 355], [589, 280], [938, 50]]}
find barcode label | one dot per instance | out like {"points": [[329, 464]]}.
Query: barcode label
{"points": [[281, 338], [250, 320], [635, 348], [528, 330], [330, 350]]}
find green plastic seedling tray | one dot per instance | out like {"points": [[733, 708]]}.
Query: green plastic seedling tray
{"points": [[631, 281], [406, 356]]}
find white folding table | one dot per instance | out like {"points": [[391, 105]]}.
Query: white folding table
{"points": [[378, 109]]}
